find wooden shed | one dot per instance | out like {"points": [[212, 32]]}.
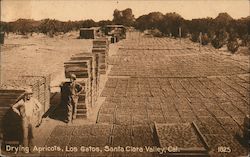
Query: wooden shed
{"points": [[117, 31], [89, 33]]}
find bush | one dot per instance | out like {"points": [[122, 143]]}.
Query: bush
{"points": [[204, 39], [245, 40], [156, 33], [195, 37], [217, 43], [232, 46]]}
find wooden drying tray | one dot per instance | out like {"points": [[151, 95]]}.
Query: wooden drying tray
{"points": [[187, 151]]}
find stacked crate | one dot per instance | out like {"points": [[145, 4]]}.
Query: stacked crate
{"points": [[40, 86], [91, 89], [82, 69], [101, 54], [78, 67], [101, 43], [82, 108], [100, 50]]}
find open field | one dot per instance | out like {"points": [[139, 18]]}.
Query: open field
{"points": [[39, 55]]}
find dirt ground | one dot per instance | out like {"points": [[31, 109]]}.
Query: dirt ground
{"points": [[39, 55]]}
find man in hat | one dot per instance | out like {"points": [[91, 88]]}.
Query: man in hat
{"points": [[72, 97], [28, 108]]}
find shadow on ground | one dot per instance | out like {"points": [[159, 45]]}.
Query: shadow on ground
{"points": [[56, 111]]}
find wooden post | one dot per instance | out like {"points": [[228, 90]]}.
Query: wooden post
{"points": [[0, 56], [180, 34], [200, 41], [1, 68]]}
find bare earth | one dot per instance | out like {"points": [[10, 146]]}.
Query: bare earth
{"points": [[39, 55]]}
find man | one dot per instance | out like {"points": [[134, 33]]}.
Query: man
{"points": [[70, 94], [28, 109]]}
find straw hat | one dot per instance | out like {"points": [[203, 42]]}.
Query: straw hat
{"points": [[73, 76], [28, 91]]}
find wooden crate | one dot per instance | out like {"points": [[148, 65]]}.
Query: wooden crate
{"points": [[100, 50], [101, 59], [81, 68], [101, 43], [83, 101], [91, 58], [87, 57], [41, 89], [40, 86]]}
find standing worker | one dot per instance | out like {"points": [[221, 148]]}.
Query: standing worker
{"points": [[28, 108], [72, 97]]}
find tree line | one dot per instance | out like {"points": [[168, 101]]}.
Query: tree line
{"points": [[48, 26], [218, 31]]}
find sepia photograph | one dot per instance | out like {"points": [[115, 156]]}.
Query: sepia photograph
{"points": [[124, 78]]}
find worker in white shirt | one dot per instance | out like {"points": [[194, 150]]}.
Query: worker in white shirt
{"points": [[28, 109]]}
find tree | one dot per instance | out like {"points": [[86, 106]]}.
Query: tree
{"points": [[223, 18], [23, 26], [149, 21], [221, 37], [171, 24], [232, 44], [87, 23], [103, 23], [124, 17], [142, 23], [195, 37]]}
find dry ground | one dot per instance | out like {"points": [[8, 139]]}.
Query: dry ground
{"points": [[39, 55]]}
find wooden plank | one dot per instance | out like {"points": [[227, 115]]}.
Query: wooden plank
{"points": [[99, 49], [7, 102], [203, 139], [2, 91], [76, 68], [90, 58], [76, 62], [89, 55], [78, 74]]}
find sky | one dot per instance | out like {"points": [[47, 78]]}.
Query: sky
{"points": [[65, 10]]}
